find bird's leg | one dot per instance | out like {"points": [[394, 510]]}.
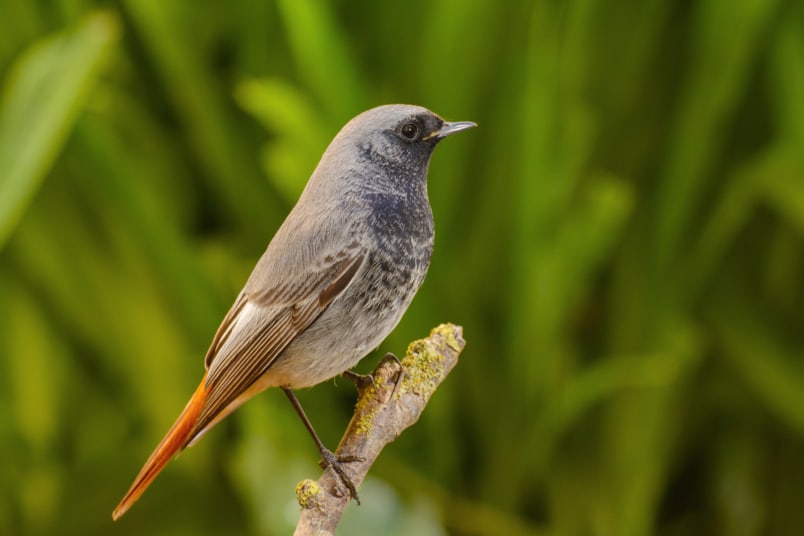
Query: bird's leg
{"points": [[401, 376], [329, 458], [361, 381], [391, 357]]}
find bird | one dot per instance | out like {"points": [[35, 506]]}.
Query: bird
{"points": [[334, 281]]}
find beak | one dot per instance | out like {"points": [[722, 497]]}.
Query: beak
{"points": [[451, 128]]}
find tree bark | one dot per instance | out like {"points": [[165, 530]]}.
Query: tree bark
{"points": [[384, 409]]}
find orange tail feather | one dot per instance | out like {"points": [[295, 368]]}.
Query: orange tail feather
{"points": [[174, 441]]}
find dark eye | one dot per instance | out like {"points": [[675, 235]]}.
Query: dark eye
{"points": [[410, 131]]}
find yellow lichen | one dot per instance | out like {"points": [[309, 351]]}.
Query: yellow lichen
{"points": [[365, 423], [307, 493], [368, 394], [423, 368], [447, 331]]}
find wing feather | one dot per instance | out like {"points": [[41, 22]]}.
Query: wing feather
{"points": [[261, 324]]}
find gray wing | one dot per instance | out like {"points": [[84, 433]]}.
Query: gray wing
{"points": [[262, 323]]}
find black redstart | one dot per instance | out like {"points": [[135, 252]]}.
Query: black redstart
{"points": [[332, 284]]}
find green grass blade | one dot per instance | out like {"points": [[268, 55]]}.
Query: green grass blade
{"points": [[765, 358], [716, 81], [324, 61], [43, 95]]}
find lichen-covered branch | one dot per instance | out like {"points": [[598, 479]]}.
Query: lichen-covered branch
{"points": [[383, 411]]}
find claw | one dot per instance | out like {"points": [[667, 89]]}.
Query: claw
{"points": [[401, 376], [361, 381], [392, 357], [336, 462]]}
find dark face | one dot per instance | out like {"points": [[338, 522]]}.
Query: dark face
{"points": [[393, 145], [411, 139], [420, 128]]}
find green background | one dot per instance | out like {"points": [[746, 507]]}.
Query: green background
{"points": [[622, 239]]}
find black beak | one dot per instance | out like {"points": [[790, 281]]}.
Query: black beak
{"points": [[450, 128]]}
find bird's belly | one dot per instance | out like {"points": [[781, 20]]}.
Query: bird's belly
{"points": [[354, 325]]}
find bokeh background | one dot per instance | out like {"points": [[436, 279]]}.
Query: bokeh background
{"points": [[622, 239]]}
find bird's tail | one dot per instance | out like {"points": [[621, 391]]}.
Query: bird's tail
{"points": [[174, 441]]}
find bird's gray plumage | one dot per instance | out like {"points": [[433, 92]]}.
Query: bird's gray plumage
{"points": [[340, 271], [334, 281]]}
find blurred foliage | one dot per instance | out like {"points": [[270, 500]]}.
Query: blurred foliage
{"points": [[622, 238]]}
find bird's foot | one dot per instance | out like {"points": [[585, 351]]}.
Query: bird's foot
{"points": [[361, 381], [391, 357], [330, 459], [364, 381], [401, 376]]}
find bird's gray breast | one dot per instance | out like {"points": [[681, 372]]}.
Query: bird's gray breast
{"points": [[398, 239], [401, 237], [401, 232]]}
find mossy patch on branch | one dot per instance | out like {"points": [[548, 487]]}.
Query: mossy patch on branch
{"points": [[365, 423], [308, 493], [423, 364]]}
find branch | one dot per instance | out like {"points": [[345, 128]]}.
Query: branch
{"points": [[383, 411]]}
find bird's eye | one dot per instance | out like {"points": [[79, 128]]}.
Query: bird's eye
{"points": [[410, 131]]}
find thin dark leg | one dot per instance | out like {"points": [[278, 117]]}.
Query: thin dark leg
{"points": [[401, 376], [391, 357], [361, 381], [329, 458]]}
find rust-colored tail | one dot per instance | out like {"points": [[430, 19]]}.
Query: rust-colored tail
{"points": [[175, 440]]}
